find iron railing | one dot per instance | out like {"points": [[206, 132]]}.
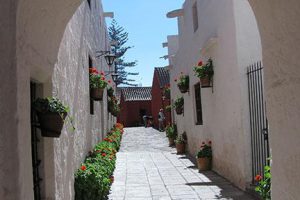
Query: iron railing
{"points": [[258, 119]]}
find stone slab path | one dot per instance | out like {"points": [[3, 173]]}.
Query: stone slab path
{"points": [[148, 169]]}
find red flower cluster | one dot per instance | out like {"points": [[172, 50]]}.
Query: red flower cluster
{"points": [[103, 154], [93, 70], [258, 178], [200, 63], [83, 168], [107, 140]]}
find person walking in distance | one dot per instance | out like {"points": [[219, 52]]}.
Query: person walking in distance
{"points": [[161, 119]]}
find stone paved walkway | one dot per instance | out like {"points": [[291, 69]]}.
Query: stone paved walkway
{"points": [[148, 169]]}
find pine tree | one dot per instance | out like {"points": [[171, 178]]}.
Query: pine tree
{"points": [[118, 38]]}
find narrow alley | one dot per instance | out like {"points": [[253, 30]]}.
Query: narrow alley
{"points": [[147, 168]]}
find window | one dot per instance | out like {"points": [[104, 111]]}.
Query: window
{"points": [[199, 120], [195, 17], [89, 2], [91, 100]]}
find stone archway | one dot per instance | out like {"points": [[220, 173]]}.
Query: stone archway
{"points": [[279, 26]]}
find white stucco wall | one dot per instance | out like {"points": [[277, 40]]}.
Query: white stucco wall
{"points": [[84, 35], [279, 27], [49, 42], [228, 34]]}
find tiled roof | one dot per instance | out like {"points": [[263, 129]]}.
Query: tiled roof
{"points": [[163, 76], [136, 93]]}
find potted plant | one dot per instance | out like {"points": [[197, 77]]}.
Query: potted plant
{"points": [[113, 106], [167, 91], [110, 92], [183, 83], [97, 84], [51, 114], [168, 108], [263, 183], [180, 144], [178, 105], [204, 72], [171, 131], [204, 157]]}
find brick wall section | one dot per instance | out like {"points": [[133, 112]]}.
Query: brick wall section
{"points": [[158, 102], [130, 111]]}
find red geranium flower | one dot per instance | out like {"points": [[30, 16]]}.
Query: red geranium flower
{"points": [[83, 167], [109, 81], [200, 63], [103, 78], [102, 73], [209, 142], [258, 178], [175, 79], [103, 154]]}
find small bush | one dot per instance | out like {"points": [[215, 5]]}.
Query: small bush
{"points": [[94, 178]]}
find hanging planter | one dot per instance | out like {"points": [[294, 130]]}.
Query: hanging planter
{"points": [[113, 107], [97, 84], [179, 111], [183, 83], [51, 123], [51, 116], [110, 92], [97, 94], [178, 104], [167, 91], [205, 73]]}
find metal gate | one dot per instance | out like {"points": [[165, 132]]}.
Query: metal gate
{"points": [[34, 147], [258, 119]]}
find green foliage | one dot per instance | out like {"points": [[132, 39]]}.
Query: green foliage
{"points": [[178, 103], [113, 106], [50, 104], [97, 81], [119, 38], [184, 81], [180, 139], [264, 184], [110, 91], [168, 108], [171, 131], [202, 71], [205, 151], [94, 178]]}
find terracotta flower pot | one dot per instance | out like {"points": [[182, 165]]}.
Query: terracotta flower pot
{"points": [[204, 164], [180, 148], [179, 110], [97, 94], [205, 82], [183, 88], [51, 123], [171, 142]]}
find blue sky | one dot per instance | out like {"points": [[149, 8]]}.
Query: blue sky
{"points": [[148, 27]]}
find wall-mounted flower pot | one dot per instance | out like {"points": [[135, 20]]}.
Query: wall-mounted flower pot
{"points": [[204, 164], [167, 95], [97, 94], [183, 88], [171, 142], [179, 110], [51, 124], [180, 147], [205, 82]]}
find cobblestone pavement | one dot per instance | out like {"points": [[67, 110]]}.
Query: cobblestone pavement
{"points": [[148, 169]]}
